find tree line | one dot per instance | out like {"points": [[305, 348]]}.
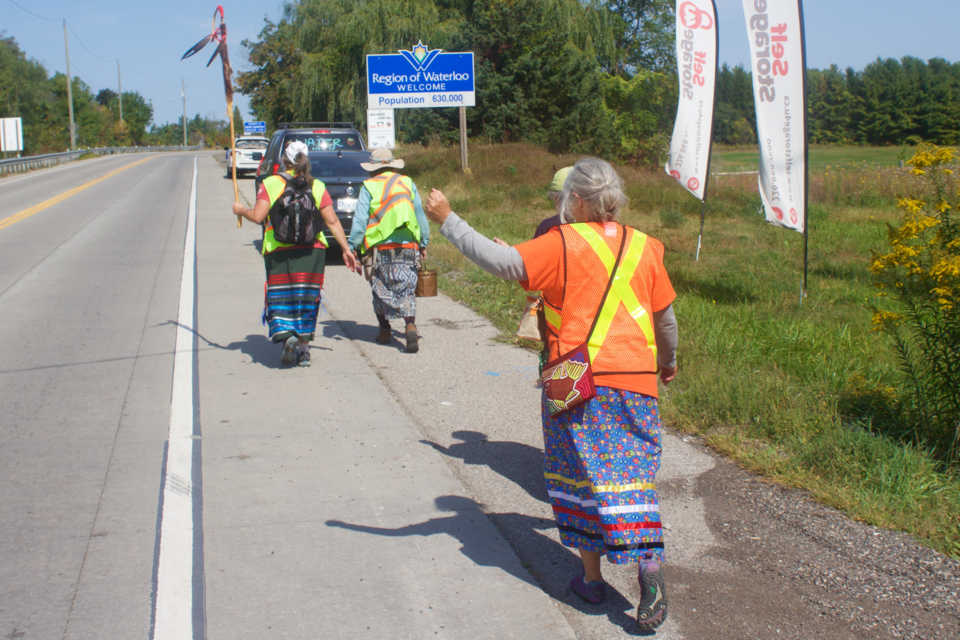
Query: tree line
{"points": [[888, 102], [29, 92], [596, 77]]}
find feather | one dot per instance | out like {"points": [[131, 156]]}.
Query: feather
{"points": [[197, 47], [215, 53]]}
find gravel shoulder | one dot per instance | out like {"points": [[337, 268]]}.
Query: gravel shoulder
{"points": [[746, 558]]}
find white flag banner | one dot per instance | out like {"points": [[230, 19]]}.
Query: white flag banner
{"points": [[689, 160], [775, 31]]}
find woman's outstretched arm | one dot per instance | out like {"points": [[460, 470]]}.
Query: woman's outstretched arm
{"points": [[503, 262]]}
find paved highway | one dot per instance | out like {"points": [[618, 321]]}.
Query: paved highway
{"points": [[161, 477]]}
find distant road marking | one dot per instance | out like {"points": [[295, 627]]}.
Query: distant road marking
{"points": [[26, 213], [179, 610]]}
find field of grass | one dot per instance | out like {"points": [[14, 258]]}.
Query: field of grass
{"points": [[746, 159], [794, 393]]}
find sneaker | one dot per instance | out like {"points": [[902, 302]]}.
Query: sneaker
{"points": [[592, 592], [413, 339], [652, 610], [288, 357], [303, 358]]}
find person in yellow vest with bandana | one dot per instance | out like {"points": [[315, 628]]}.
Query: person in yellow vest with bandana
{"points": [[607, 293], [294, 271], [391, 231]]}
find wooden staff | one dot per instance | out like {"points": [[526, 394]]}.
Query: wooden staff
{"points": [[219, 35]]}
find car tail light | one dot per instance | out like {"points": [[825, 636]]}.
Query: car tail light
{"points": [[322, 131]]}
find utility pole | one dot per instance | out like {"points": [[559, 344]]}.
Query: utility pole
{"points": [[120, 89], [73, 127], [183, 94]]}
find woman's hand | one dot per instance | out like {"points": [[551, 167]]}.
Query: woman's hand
{"points": [[423, 254], [437, 207], [667, 374], [501, 243], [350, 260]]}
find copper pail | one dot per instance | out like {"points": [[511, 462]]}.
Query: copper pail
{"points": [[426, 283]]}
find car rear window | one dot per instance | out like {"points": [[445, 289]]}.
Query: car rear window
{"points": [[347, 166], [326, 141], [251, 144]]}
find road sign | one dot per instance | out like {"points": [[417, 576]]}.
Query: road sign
{"points": [[420, 78], [254, 127], [11, 134], [381, 133]]}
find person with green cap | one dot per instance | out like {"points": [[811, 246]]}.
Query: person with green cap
{"points": [[553, 192]]}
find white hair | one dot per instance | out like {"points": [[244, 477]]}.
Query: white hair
{"points": [[599, 187]]}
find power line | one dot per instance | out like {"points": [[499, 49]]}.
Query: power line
{"points": [[34, 14], [83, 45]]}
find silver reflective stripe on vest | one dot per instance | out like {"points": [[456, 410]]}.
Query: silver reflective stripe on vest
{"points": [[385, 206]]}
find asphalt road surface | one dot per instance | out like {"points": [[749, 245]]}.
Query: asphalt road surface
{"points": [[162, 477]]}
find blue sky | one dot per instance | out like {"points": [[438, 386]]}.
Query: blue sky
{"points": [[149, 39]]}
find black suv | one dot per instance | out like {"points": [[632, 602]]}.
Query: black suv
{"points": [[336, 151]]}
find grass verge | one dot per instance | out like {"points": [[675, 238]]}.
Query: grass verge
{"points": [[797, 394]]}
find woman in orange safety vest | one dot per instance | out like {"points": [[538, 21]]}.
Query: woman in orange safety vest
{"points": [[601, 457]]}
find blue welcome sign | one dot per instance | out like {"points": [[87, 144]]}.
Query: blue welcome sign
{"points": [[420, 78]]}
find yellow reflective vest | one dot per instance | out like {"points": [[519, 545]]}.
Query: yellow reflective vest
{"points": [[391, 207], [275, 186]]}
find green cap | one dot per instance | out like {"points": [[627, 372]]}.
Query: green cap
{"points": [[558, 178]]}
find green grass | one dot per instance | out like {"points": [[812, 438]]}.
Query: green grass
{"points": [[797, 394], [747, 159]]}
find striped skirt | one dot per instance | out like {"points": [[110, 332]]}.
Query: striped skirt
{"points": [[600, 461], [292, 293]]}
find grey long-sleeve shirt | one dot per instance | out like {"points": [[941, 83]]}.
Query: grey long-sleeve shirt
{"points": [[506, 263]]}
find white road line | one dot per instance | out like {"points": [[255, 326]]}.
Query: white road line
{"points": [[179, 590]]}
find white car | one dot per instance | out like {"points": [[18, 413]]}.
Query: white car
{"points": [[249, 153]]}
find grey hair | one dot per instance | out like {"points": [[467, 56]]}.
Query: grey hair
{"points": [[599, 187]]}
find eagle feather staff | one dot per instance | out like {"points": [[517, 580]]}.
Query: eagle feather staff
{"points": [[219, 35]]}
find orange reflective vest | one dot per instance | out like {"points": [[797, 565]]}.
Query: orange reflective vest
{"points": [[391, 207], [623, 340]]}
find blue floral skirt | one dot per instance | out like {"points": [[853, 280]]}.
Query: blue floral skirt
{"points": [[600, 462]]}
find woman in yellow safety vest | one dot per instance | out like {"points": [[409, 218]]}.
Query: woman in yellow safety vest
{"points": [[294, 271], [606, 293], [392, 232]]}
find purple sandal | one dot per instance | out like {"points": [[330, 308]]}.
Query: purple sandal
{"points": [[592, 592], [652, 610]]}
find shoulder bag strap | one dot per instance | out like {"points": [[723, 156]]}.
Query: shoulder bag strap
{"points": [[613, 274]]}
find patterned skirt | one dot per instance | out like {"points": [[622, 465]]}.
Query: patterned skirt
{"points": [[292, 293], [394, 283], [600, 461]]}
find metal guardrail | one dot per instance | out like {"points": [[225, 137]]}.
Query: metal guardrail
{"points": [[16, 165]]}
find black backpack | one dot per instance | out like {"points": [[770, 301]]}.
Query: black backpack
{"points": [[294, 216]]}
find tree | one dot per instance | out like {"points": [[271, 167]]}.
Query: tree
{"points": [[105, 97]]}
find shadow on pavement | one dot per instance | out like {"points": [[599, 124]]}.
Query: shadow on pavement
{"points": [[260, 348], [475, 546], [365, 332], [520, 463]]}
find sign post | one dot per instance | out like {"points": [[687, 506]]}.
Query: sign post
{"points": [[381, 132], [11, 135], [423, 78], [250, 128]]}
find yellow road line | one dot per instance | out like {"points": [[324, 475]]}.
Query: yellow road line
{"points": [[26, 213]]}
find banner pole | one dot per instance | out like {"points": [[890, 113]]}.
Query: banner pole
{"points": [[716, 75], [806, 152], [703, 210]]}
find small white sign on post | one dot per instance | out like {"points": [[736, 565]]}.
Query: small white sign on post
{"points": [[381, 133], [11, 134]]}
